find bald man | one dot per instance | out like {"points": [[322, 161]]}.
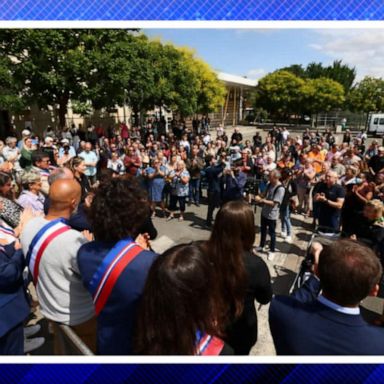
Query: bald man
{"points": [[50, 246], [330, 197]]}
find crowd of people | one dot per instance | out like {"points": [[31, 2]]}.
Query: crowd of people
{"points": [[76, 209]]}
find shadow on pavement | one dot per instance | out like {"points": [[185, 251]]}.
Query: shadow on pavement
{"points": [[283, 281], [294, 249], [196, 221]]}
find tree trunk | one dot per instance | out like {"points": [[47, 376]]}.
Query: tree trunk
{"points": [[136, 115], [63, 103]]}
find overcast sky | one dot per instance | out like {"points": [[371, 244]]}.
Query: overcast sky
{"points": [[255, 52]]}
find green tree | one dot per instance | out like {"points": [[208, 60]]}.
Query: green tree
{"points": [[337, 71], [314, 70], [280, 93], [49, 65], [9, 94], [322, 95], [210, 90], [296, 69], [367, 96], [341, 73], [101, 69]]}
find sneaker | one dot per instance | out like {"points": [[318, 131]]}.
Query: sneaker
{"points": [[271, 255], [32, 330], [181, 218], [170, 218], [32, 344], [288, 239], [283, 234], [259, 249]]}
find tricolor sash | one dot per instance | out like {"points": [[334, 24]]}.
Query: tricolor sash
{"points": [[6, 231], [41, 241], [209, 345], [113, 264], [44, 172]]}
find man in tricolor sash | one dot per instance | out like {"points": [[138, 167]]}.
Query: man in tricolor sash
{"points": [[50, 247]]}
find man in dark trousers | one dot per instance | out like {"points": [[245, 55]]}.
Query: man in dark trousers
{"points": [[329, 323], [213, 174]]}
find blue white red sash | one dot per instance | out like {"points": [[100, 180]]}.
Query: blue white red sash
{"points": [[110, 269], [44, 172], [209, 345], [41, 241], [6, 231]]}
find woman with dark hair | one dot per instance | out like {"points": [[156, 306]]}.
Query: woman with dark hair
{"points": [[78, 168], [177, 312], [241, 276], [114, 266]]}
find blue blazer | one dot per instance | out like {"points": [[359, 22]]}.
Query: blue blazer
{"points": [[301, 325], [14, 304], [115, 322]]}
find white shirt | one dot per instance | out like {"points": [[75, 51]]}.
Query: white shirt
{"points": [[285, 135], [207, 139], [338, 308]]}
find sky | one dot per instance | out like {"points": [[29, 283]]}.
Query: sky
{"points": [[256, 52]]}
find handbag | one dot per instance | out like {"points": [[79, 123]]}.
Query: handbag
{"points": [[11, 212]]}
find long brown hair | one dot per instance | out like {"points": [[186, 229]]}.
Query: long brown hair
{"points": [[233, 234], [177, 302]]}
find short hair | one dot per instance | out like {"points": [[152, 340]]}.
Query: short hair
{"points": [[353, 169], [38, 156], [10, 140], [28, 178], [276, 173], [48, 140], [348, 271], [376, 204], [119, 209], [57, 174]]}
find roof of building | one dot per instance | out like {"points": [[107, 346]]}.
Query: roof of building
{"points": [[236, 80]]}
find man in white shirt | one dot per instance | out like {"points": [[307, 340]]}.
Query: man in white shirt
{"points": [[285, 134], [90, 160]]}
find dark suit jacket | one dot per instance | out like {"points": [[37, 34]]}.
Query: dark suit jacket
{"points": [[14, 305], [301, 325]]}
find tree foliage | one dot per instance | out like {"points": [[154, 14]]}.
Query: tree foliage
{"points": [[337, 71], [103, 69], [210, 91], [322, 95], [367, 95], [282, 93], [9, 95]]}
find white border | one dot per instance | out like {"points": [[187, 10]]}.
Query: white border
{"points": [[193, 359], [200, 24], [165, 24]]}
